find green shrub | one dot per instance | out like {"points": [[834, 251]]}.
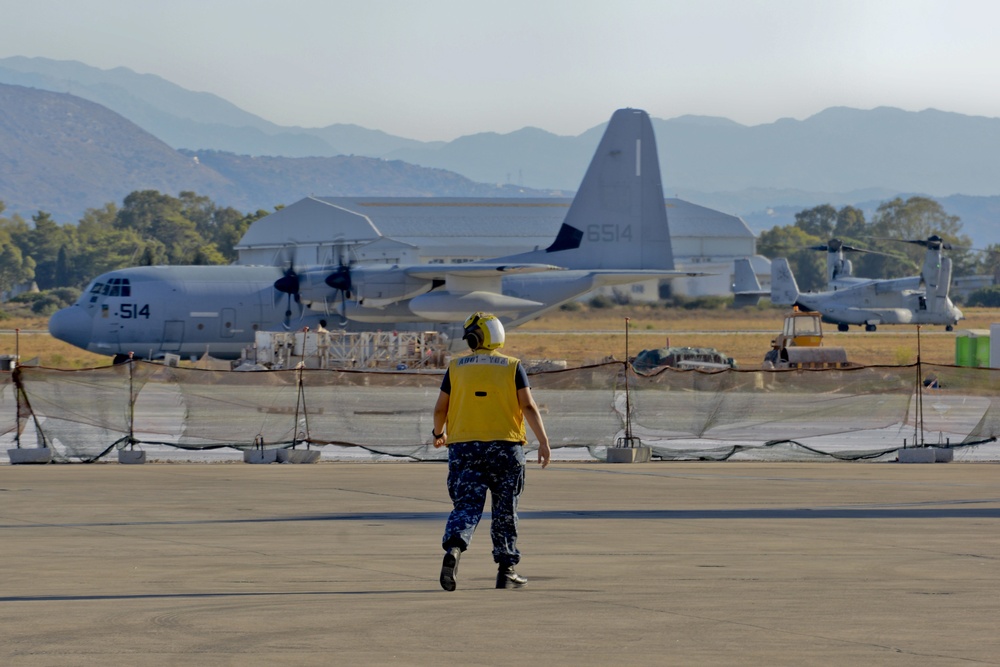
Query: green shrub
{"points": [[45, 306], [49, 301], [66, 295], [987, 297], [28, 297], [698, 302], [602, 301]]}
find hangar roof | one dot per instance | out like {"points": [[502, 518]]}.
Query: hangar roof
{"points": [[437, 222]]}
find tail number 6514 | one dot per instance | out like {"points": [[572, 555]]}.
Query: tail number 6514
{"points": [[609, 232]]}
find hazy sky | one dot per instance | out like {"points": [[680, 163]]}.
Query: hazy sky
{"points": [[437, 69]]}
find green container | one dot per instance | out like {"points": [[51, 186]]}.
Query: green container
{"points": [[964, 353]]}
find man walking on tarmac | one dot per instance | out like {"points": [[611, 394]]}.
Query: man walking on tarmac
{"points": [[480, 413]]}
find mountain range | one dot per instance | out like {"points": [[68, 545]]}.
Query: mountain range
{"points": [[63, 154], [764, 173]]}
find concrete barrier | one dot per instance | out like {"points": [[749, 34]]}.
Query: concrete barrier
{"points": [[19, 456], [298, 455], [260, 455], [917, 455], [641, 454], [131, 456]]}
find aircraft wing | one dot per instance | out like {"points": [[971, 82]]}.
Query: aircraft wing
{"points": [[490, 270], [650, 273], [605, 277], [474, 270], [891, 285]]}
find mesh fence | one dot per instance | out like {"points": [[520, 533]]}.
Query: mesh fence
{"points": [[8, 406], [857, 413]]}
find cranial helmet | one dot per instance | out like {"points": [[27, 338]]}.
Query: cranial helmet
{"points": [[483, 331]]}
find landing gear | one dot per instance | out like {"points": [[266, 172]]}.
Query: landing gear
{"points": [[949, 328], [869, 327], [842, 327]]}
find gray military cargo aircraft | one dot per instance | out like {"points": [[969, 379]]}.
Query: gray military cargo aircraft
{"points": [[919, 299], [614, 233]]}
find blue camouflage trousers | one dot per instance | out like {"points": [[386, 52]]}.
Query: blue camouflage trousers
{"points": [[474, 468]]}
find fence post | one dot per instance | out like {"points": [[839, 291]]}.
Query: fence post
{"points": [[16, 377], [628, 449]]}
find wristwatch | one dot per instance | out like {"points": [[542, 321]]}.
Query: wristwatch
{"points": [[436, 435]]}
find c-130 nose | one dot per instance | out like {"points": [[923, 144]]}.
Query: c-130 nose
{"points": [[71, 325]]}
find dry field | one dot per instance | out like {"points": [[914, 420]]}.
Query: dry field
{"points": [[743, 334], [33, 341], [592, 335]]}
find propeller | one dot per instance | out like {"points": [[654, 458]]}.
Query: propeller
{"points": [[933, 242], [340, 281], [291, 284], [288, 284], [836, 245]]}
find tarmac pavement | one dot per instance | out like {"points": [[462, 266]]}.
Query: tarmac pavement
{"points": [[633, 564]]}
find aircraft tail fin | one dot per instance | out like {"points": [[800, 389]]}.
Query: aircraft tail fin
{"points": [[784, 289], [618, 219], [746, 287], [937, 292], [931, 271]]}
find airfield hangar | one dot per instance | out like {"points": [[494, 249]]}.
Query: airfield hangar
{"points": [[333, 230]]}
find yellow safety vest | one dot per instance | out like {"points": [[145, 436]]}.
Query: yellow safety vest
{"points": [[483, 402]]}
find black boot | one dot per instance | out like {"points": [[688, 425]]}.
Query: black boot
{"points": [[508, 578], [449, 568]]}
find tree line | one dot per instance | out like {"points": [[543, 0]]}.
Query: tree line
{"points": [[150, 228], [892, 224]]}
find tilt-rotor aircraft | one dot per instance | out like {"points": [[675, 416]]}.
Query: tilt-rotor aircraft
{"points": [[919, 299], [614, 233], [839, 274]]}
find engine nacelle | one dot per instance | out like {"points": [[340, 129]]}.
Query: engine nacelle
{"points": [[441, 306], [380, 285]]}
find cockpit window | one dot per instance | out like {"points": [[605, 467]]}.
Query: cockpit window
{"points": [[114, 287]]}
